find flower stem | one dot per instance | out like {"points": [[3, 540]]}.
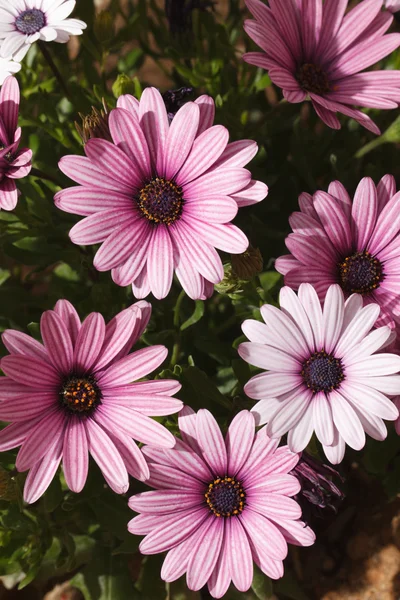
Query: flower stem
{"points": [[177, 345], [54, 68]]}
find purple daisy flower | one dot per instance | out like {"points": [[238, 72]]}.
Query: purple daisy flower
{"points": [[323, 371], [312, 49], [353, 243], [161, 198], [220, 504], [14, 163], [77, 386]]}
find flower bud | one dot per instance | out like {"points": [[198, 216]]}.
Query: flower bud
{"points": [[247, 265], [104, 27], [318, 495], [123, 85]]}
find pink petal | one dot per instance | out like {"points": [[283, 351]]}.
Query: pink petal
{"points": [[57, 341], [164, 501], [160, 262], [239, 440], [28, 371], [207, 112], [129, 103], [71, 319], [168, 535], [176, 561], [38, 443], [133, 367], [107, 457], [323, 420], [264, 535], [41, 474], [89, 342], [119, 333], [27, 406], [120, 243], [205, 552], [132, 456], [83, 171], [346, 421], [114, 163], [211, 442], [99, 226], [75, 455], [254, 192], [8, 194], [226, 237], [154, 122], [206, 150], [17, 342], [128, 135], [87, 201], [9, 105], [333, 314]]}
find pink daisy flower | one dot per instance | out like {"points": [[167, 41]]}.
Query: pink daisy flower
{"points": [[323, 371], [353, 243], [161, 198], [393, 5], [312, 49], [77, 385], [14, 163], [220, 504]]}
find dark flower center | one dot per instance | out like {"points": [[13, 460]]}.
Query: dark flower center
{"points": [[30, 21], [313, 79], [360, 273], [161, 201], [225, 497], [322, 372], [80, 394]]}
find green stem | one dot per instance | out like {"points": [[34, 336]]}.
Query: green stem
{"points": [[177, 309], [54, 68], [177, 345]]}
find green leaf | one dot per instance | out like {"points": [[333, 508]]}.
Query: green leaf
{"points": [[196, 316], [106, 577], [261, 585], [200, 392], [289, 587]]}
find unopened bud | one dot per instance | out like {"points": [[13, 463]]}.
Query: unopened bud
{"points": [[104, 27], [124, 85], [247, 265]]}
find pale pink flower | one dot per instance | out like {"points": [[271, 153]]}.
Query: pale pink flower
{"points": [[8, 67], [14, 163], [354, 243], [72, 395], [314, 49], [220, 504], [324, 372], [162, 197], [24, 22], [393, 5]]}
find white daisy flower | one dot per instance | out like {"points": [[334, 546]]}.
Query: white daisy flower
{"points": [[23, 22], [8, 67]]}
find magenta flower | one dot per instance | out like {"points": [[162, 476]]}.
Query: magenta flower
{"points": [[323, 371], [353, 243], [313, 50], [220, 505], [161, 198], [73, 396], [14, 163]]}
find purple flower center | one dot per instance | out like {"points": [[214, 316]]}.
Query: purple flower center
{"points": [[30, 21], [80, 394], [360, 273], [313, 79], [322, 372], [225, 497], [161, 201]]}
